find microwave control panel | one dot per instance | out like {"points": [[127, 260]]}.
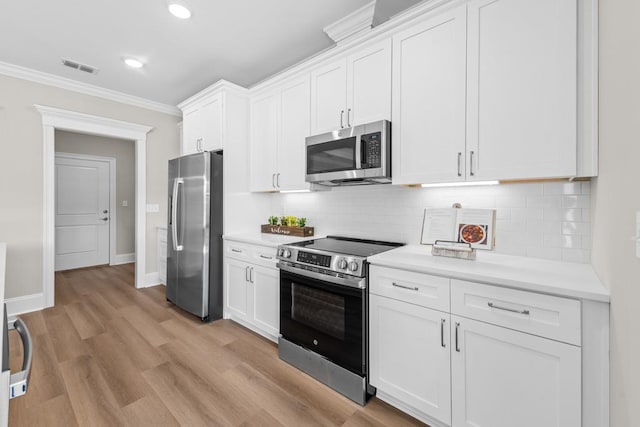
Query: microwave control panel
{"points": [[371, 145]]}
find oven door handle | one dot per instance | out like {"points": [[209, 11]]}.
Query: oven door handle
{"points": [[20, 380], [356, 282]]}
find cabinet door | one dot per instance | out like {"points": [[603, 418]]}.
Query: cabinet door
{"points": [[522, 62], [504, 378], [266, 299], [190, 132], [236, 287], [369, 85], [211, 117], [264, 140], [429, 100], [409, 355], [328, 97], [295, 117]]}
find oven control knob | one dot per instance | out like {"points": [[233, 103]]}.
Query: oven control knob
{"points": [[353, 266], [342, 264], [286, 253], [280, 252]]}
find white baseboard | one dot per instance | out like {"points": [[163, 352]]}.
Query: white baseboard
{"points": [[124, 259], [25, 304], [151, 279]]}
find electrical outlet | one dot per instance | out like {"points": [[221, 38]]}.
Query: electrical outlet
{"points": [[153, 208], [125, 203]]}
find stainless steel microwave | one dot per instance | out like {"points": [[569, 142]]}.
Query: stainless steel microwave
{"points": [[351, 156]]}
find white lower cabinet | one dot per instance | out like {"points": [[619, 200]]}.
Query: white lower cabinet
{"points": [[485, 360], [505, 378], [409, 355], [252, 288]]}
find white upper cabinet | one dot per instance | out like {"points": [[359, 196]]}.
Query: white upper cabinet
{"points": [[429, 67], [328, 93], [279, 125], [522, 79], [489, 91], [202, 125], [353, 90], [264, 143]]}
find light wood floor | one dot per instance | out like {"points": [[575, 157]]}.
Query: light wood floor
{"points": [[108, 354]]}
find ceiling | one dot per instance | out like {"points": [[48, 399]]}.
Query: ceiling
{"points": [[243, 41]]}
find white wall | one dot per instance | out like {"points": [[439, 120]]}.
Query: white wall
{"points": [[617, 199], [543, 220], [21, 171], [124, 153]]}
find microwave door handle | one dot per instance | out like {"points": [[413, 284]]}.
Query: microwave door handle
{"points": [[360, 152]]}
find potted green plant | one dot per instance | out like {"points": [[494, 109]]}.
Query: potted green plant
{"points": [[302, 222], [273, 220]]}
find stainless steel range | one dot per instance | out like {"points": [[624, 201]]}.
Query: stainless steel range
{"points": [[324, 310]]}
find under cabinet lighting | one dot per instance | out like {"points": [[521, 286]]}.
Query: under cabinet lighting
{"points": [[133, 63], [179, 10], [295, 191], [460, 184]]}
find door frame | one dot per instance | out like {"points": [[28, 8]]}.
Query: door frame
{"points": [[112, 195], [56, 118]]}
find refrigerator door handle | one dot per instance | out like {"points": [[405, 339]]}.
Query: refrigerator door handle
{"points": [[174, 214], [20, 380]]}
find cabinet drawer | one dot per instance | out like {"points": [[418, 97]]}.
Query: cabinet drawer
{"points": [[265, 255], [237, 250], [415, 288], [544, 315]]}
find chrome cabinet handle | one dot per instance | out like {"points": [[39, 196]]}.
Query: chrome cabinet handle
{"points": [[246, 274], [273, 180], [265, 257], [405, 287], [104, 219], [19, 381], [471, 172], [236, 251], [341, 117], [457, 346], [348, 117], [278, 180], [459, 164], [492, 305], [442, 332], [251, 274]]}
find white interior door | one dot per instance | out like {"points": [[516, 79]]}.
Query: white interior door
{"points": [[82, 213]]}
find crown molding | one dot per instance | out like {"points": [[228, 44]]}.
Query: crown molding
{"points": [[353, 23], [219, 86], [24, 73]]}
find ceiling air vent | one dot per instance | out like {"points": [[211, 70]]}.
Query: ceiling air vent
{"points": [[78, 66]]}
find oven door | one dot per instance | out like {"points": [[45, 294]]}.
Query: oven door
{"points": [[326, 318]]}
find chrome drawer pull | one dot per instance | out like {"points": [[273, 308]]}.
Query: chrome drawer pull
{"points": [[492, 305], [442, 332], [265, 257], [405, 287], [236, 250]]}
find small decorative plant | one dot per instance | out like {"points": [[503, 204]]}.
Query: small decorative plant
{"points": [[291, 220], [302, 222], [273, 220], [283, 221]]}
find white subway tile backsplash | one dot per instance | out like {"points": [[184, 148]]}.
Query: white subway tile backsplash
{"points": [[548, 220], [582, 201], [544, 201]]}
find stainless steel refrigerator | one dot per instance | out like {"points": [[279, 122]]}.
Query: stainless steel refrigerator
{"points": [[194, 234]]}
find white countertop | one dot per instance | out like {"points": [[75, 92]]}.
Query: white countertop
{"points": [[265, 239], [531, 274]]}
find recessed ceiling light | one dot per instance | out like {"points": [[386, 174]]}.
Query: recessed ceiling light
{"points": [[179, 10], [133, 63]]}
